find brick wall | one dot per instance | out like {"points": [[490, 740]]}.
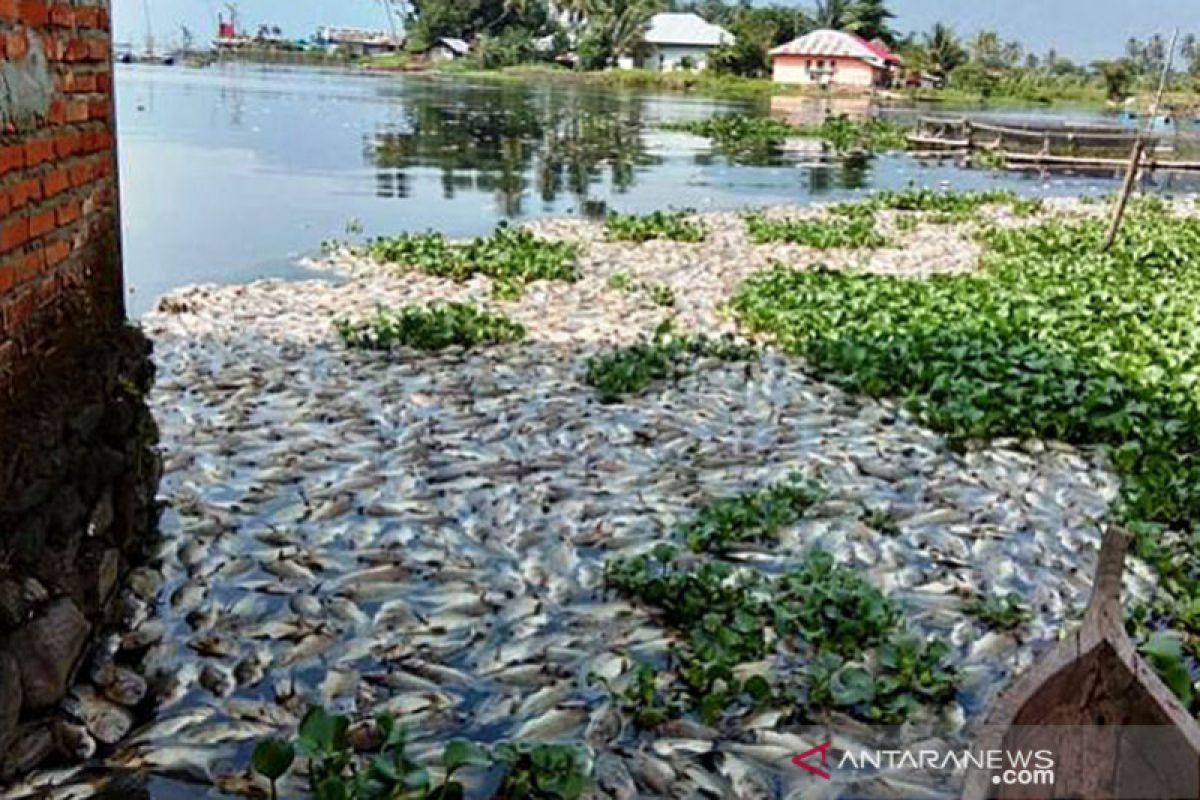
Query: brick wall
{"points": [[60, 275]]}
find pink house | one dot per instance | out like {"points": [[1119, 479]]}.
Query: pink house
{"points": [[835, 59]]}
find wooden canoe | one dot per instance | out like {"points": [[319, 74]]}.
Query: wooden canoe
{"points": [[1115, 729]]}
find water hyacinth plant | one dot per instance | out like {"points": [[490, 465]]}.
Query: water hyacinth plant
{"points": [[1053, 339], [432, 327], [666, 355], [671, 225], [845, 231], [511, 256], [752, 139], [337, 771]]}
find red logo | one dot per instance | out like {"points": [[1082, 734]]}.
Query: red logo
{"points": [[823, 749]]}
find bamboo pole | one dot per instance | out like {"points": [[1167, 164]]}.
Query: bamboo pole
{"points": [[1139, 147]]}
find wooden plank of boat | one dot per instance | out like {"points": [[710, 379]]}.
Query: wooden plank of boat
{"points": [[1049, 160], [1087, 700], [937, 141]]}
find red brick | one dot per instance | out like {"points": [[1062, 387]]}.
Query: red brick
{"points": [[34, 13], [8, 9], [57, 113], [98, 49], [16, 45], [77, 111], [11, 157], [67, 144], [13, 234], [58, 180], [41, 223], [81, 174], [103, 82], [63, 16], [31, 265], [57, 252], [25, 191], [8, 276], [75, 50], [37, 151], [67, 213], [98, 109]]}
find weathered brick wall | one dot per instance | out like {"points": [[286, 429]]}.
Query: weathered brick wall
{"points": [[59, 251], [78, 459]]}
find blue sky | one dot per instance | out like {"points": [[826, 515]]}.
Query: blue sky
{"points": [[1080, 29]]}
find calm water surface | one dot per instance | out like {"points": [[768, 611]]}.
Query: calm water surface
{"points": [[234, 172]]}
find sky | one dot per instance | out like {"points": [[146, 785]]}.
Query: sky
{"points": [[1079, 29]]}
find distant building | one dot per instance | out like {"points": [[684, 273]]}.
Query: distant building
{"points": [[834, 58], [677, 41], [448, 49], [358, 41]]}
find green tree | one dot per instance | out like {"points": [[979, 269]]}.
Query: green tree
{"points": [[615, 28], [1118, 78], [944, 53], [869, 19], [834, 14]]}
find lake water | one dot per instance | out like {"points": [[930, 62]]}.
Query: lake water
{"points": [[234, 172]]}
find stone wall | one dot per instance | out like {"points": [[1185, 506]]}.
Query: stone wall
{"points": [[78, 465]]}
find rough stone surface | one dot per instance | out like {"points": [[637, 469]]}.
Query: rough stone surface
{"points": [[10, 699], [47, 650], [32, 744]]}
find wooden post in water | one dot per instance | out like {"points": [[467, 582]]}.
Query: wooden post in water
{"points": [[1139, 147]]}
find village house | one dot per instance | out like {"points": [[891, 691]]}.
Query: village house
{"points": [[677, 41], [834, 59], [448, 49], [358, 41]]}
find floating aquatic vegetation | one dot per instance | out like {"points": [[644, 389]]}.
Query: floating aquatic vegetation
{"points": [[671, 225], [432, 327], [1051, 339], [620, 282], [852, 231], [1003, 611], [660, 294], [667, 355], [337, 771], [725, 522], [751, 138], [510, 256]]}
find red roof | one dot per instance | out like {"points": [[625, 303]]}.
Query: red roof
{"points": [[880, 49]]}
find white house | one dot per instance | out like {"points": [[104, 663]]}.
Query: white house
{"points": [[448, 49], [677, 41]]}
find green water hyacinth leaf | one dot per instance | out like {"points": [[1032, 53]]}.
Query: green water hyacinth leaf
{"points": [[1165, 653], [322, 732], [852, 685], [460, 753], [272, 758]]}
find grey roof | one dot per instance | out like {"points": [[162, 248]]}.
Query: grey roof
{"points": [[685, 29], [457, 45]]}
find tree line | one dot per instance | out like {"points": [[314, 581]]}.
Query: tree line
{"points": [[599, 32]]}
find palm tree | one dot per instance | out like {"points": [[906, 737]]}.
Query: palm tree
{"points": [[985, 47], [832, 14], [944, 51], [869, 19]]}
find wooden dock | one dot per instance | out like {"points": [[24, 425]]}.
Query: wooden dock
{"points": [[1043, 145]]}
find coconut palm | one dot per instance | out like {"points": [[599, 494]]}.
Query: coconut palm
{"points": [[943, 50], [869, 19], [834, 14]]}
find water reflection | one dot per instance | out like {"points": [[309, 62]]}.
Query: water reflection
{"points": [[233, 172], [514, 143]]}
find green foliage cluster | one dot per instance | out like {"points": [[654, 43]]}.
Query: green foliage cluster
{"points": [[852, 231], [844, 628], [672, 225], [1002, 611], [752, 139], [433, 327], [667, 355], [724, 522], [846, 135], [510, 256], [909, 672], [337, 772], [1053, 338]]}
